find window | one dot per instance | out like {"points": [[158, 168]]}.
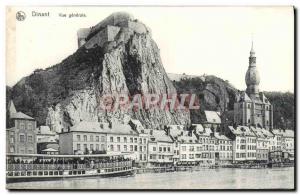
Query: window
{"points": [[191, 156], [118, 139], [131, 140], [135, 140], [91, 147], [85, 138], [22, 138], [12, 149], [249, 106], [144, 141], [97, 147], [169, 149], [145, 149], [30, 139], [160, 149], [12, 137], [78, 146], [102, 147], [22, 126], [91, 138], [141, 148], [112, 147], [102, 139], [29, 126], [125, 148], [78, 137], [183, 156], [111, 139], [135, 148], [97, 138], [141, 141], [141, 157], [191, 148], [125, 139], [85, 146], [131, 148], [165, 149], [183, 148], [118, 147], [154, 148]]}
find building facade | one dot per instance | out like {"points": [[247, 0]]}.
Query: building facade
{"points": [[252, 107], [84, 138], [20, 133], [223, 149], [160, 148]]}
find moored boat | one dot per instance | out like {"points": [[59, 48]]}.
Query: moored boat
{"points": [[30, 167]]}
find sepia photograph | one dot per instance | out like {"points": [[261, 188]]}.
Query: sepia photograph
{"points": [[150, 98]]}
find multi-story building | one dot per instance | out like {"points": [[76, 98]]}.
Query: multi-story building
{"points": [[47, 140], [277, 140], [121, 138], [142, 143], [175, 131], [207, 140], [223, 149], [20, 132], [190, 150], [244, 143], [160, 148], [84, 138], [288, 140], [43, 132], [262, 143], [284, 140], [252, 107]]}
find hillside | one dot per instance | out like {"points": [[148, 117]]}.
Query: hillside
{"points": [[213, 92], [117, 56]]}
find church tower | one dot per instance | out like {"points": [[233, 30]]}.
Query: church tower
{"points": [[252, 108], [252, 76]]}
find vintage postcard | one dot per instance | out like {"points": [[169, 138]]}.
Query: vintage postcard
{"points": [[135, 98]]}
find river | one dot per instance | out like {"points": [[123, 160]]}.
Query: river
{"points": [[226, 178]]}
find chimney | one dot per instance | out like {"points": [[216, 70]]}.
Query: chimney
{"points": [[168, 131]]}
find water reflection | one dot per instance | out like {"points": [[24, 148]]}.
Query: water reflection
{"points": [[205, 179]]}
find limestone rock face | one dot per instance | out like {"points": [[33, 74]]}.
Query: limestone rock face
{"points": [[117, 56]]}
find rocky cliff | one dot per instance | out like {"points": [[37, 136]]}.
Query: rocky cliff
{"points": [[117, 56]]}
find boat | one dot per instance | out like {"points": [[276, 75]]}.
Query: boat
{"points": [[36, 167]]}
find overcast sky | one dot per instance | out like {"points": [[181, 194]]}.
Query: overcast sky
{"points": [[192, 40]]}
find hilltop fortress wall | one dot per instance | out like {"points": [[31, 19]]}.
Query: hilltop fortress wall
{"points": [[108, 29]]}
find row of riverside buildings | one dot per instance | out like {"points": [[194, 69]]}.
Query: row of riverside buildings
{"points": [[200, 144], [251, 139]]}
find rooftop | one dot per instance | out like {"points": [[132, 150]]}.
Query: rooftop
{"points": [[242, 130], [159, 135], [20, 115], [45, 130], [212, 117], [284, 133], [221, 136]]}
